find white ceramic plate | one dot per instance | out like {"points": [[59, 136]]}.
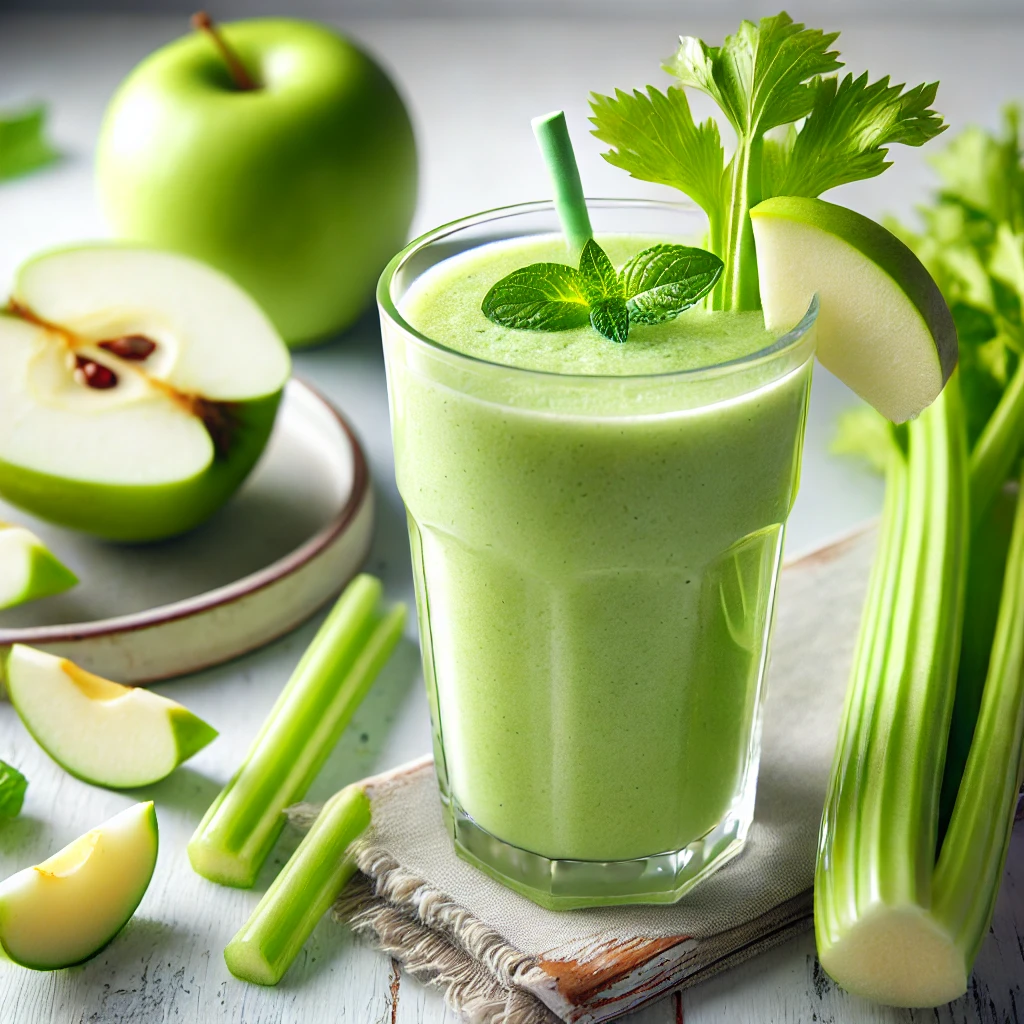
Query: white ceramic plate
{"points": [[285, 544]]}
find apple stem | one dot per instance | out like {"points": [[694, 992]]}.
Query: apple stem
{"points": [[202, 22]]}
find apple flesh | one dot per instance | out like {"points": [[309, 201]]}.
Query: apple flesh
{"points": [[300, 189], [65, 910], [137, 390], [28, 569], [99, 731], [883, 327]]}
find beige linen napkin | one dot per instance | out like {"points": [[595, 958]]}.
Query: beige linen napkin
{"points": [[502, 960]]}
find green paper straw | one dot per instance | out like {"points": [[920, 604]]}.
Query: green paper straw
{"points": [[556, 147]]}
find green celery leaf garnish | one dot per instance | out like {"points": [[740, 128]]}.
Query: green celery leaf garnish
{"points": [[654, 138], [23, 144], [758, 77], [666, 279], [846, 132], [655, 285], [12, 790], [540, 297], [799, 129]]}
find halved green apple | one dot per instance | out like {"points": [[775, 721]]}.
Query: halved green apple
{"points": [[883, 328], [137, 390], [99, 731], [68, 908], [28, 569]]}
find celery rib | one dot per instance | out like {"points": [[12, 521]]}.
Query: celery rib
{"points": [[998, 447], [873, 882], [268, 943], [331, 680], [973, 853]]}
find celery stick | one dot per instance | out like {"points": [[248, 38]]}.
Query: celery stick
{"points": [[973, 853], [270, 940], [334, 675], [873, 886], [996, 450], [990, 546]]}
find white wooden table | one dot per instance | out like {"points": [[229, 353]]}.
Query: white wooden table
{"points": [[473, 86]]}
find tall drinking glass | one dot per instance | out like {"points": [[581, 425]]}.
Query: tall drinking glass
{"points": [[595, 562]]}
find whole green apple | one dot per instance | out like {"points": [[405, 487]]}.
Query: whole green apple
{"points": [[137, 390], [300, 187]]}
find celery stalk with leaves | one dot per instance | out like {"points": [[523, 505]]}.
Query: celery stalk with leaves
{"points": [[799, 131], [929, 763]]}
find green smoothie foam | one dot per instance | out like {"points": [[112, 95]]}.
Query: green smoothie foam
{"points": [[594, 586]]}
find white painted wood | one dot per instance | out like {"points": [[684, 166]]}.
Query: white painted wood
{"points": [[473, 86]]}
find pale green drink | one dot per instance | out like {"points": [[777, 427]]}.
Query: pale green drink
{"points": [[596, 532]]}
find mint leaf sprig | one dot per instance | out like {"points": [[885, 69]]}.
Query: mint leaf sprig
{"points": [[655, 285], [799, 131]]}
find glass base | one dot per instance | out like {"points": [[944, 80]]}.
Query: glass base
{"points": [[572, 884]]}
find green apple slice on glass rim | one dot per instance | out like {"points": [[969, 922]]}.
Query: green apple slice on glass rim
{"points": [[99, 731], [883, 328], [28, 569], [65, 910], [137, 390]]}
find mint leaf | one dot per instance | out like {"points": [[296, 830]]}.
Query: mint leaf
{"points": [[540, 297], [23, 146], [659, 283], [654, 138], [600, 281], [846, 132], [662, 281], [758, 75], [12, 790], [610, 317]]}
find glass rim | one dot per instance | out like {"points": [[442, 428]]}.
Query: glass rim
{"points": [[386, 304]]}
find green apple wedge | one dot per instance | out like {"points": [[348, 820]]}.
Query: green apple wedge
{"points": [[65, 910], [884, 328], [28, 569], [97, 730], [137, 390], [274, 149]]}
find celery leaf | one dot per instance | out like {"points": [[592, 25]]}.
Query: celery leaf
{"points": [[655, 138], [759, 75], [984, 172], [846, 131]]}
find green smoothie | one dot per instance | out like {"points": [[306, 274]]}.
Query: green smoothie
{"points": [[596, 545]]}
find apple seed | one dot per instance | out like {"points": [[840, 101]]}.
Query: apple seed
{"points": [[133, 347], [94, 375]]}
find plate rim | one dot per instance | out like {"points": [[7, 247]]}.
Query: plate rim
{"points": [[229, 593]]}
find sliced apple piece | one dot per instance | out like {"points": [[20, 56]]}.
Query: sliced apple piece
{"points": [[28, 569], [99, 731], [137, 390], [884, 328], [68, 908]]}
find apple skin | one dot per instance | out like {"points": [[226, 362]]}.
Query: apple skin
{"points": [[46, 574], [301, 190], [146, 814], [136, 515]]}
